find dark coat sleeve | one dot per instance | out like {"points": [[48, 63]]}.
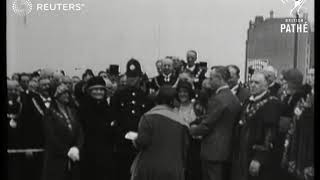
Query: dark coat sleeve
{"points": [[52, 138], [145, 131], [217, 108], [79, 136]]}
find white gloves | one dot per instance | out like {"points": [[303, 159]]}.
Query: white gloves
{"points": [[254, 168], [73, 154]]}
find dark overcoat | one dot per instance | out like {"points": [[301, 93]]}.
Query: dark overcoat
{"points": [[254, 138], [162, 143], [97, 154], [59, 138]]}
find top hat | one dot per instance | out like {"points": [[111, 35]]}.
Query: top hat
{"points": [[113, 69]]}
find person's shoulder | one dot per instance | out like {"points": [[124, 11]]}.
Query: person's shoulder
{"points": [[225, 93]]}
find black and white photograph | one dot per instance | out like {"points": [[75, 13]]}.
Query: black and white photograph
{"points": [[160, 90]]}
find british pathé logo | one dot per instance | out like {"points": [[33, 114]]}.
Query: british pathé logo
{"points": [[297, 5], [294, 25], [21, 7]]}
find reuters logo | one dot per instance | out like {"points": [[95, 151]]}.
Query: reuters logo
{"points": [[21, 7]]}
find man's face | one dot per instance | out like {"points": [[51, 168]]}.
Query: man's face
{"points": [[159, 66], [234, 78], [75, 80], [24, 82], [258, 84], [167, 67], [113, 78], [13, 93], [87, 77], [15, 77], [33, 86], [68, 82], [64, 98], [206, 84], [133, 81], [97, 93], [103, 75], [191, 58], [215, 80], [45, 86], [123, 81]]}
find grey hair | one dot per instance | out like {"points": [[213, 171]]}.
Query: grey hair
{"points": [[268, 76]]}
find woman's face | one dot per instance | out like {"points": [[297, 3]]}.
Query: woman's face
{"points": [[64, 98], [98, 93], [183, 95]]}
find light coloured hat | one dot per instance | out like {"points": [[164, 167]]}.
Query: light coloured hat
{"points": [[47, 72], [62, 88]]}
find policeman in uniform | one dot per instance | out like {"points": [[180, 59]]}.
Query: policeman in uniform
{"points": [[129, 104]]}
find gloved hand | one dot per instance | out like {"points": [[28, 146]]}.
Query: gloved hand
{"points": [[254, 168], [74, 154]]}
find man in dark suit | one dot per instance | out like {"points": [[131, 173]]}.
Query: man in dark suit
{"points": [[167, 77], [196, 69], [216, 128], [237, 87], [35, 105]]}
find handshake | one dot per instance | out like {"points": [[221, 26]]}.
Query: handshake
{"points": [[74, 154]]}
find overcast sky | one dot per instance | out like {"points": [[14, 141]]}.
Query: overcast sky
{"points": [[113, 31]]}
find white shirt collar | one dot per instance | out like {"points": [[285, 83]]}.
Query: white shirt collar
{"points": [[256, 98], [221, 88], [167, 76], [191, 68], [45, 99], [270, 85], [235, 88]]}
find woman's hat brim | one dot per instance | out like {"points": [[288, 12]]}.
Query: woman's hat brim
{"points": [[96, 86]]}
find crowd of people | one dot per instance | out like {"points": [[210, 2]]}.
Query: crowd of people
{"points": [[178, 125]]}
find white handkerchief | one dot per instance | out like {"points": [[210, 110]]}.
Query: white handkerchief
{"points": [[131, 135]]}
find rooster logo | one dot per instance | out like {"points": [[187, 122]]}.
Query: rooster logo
{"points": [[21, 7], [297, 5]]}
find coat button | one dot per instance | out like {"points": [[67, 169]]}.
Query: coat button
{"points": [[133, 111], [143, 105], [133, 94], [133, 102]]}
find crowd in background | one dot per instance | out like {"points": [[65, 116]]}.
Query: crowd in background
{"points": [[189, 125]]}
